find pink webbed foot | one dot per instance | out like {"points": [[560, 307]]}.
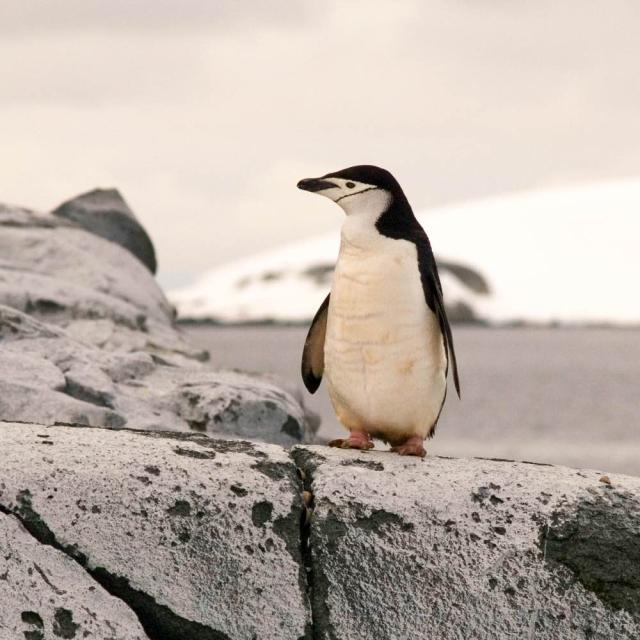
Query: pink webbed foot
{"points": [[411, 447], [356, 440]]}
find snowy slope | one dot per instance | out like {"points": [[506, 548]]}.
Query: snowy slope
{"points": [[567, 255]]}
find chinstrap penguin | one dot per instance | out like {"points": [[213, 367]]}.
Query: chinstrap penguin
{"points": [[381, 338]]}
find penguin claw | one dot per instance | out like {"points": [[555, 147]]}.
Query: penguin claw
{"points": [[412, 447], [358, 441]]}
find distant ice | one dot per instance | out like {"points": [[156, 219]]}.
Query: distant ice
{"points": [[565, 255]]}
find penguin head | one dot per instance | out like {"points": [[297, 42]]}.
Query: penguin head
{"points": [[359, 189]]}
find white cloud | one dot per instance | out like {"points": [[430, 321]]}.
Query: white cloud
{"points": [[37, 16], [205, 120]]}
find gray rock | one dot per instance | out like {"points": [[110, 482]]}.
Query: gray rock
{"points": [[48, 378], [88, 338], [200, 537], [15, 325], [105, 213], [442, 548], [43, 406], [87, 382], [63, 271], [11, 216], [229, 403], [60, 380], [30, 370], [165, 343], [203, 538], [45, 594], [469, 276]]}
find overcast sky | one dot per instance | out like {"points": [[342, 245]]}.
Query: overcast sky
{"points": [[205, 113]]}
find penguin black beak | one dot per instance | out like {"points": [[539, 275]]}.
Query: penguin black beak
{"points": [[315, 184]]}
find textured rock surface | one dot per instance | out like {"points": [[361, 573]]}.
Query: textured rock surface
{"points": [[87, 337], [105, 213], [441, 548], [61, 274], [203, 539], [45, 594], [200, 537]]}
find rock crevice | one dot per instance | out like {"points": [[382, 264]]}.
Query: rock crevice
{"points": [[158, 621], [45, 593]]}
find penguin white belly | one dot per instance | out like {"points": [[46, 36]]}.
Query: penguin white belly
{"points": [[385, 362]]}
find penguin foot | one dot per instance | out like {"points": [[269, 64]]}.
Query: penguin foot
{"points": [[411, 447], [356, 440]]}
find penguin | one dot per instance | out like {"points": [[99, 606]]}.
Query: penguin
{"points": [[381, 338]]}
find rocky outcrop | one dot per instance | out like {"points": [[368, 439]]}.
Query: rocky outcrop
{"points": [[88, 338], [442, 548], [105, 213], [199, 537], [45, 594], [208, 538], [64, 276]]}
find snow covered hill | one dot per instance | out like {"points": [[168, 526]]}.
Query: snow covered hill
{"points": [[569, 255]]}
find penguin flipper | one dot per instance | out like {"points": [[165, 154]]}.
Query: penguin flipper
{"points": [[448, 338], [433, 296], [313, 352]]}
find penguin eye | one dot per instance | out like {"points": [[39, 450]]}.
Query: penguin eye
{"points": [[350, 185]]}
